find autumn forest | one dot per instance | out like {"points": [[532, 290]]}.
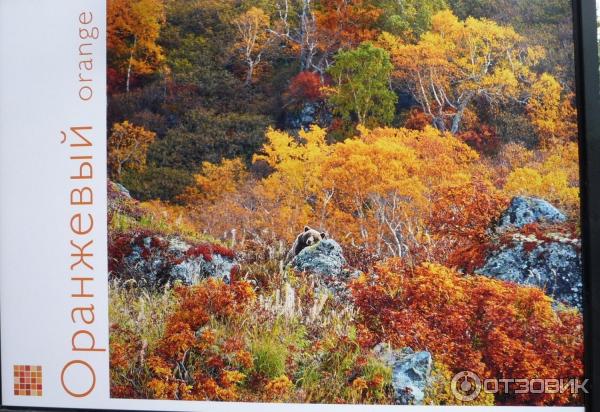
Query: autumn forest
{"points": [[430, 145]]}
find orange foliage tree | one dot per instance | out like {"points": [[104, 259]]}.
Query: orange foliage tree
{"points": [[133, 28], [343, 25], [127, 148], [316, 30]]}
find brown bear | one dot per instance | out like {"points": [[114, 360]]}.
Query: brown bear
{"points": [[307, 238]]}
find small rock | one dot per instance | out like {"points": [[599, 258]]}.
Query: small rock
{"points": [[324, 258], [411, 372], [526, 210], [122, 189]]}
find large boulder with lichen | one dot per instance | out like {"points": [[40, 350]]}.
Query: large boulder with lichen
{"points": [[534, 245], [526, 210], [154, 260], [325, 258], [411, 372]]}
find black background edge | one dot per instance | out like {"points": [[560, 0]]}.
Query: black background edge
{"points": [[588, 104]]}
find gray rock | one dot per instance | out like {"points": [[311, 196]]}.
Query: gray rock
{"points": [[325, 258], [155, 261], [192, 271], [306, 117], [552, 263], [525, 210], [411, 372], [122, 189], [311, 113], [554, 266]]}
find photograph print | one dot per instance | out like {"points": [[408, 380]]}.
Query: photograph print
{"points": [[344, 202]]}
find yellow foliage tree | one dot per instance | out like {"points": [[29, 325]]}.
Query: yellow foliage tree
{"points": [[556, 179], [253, 38], [290, 197], [216, 180], [551, 113], [383, 181], [458, 61], [217, 200]]}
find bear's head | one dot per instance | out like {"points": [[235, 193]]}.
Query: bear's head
{"points": [[311, 236]]}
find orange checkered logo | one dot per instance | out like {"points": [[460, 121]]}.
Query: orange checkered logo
{"points": [[28, 380]]}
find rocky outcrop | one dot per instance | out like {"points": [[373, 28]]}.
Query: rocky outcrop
{"points": [[525, 210], [121, 202], [552, 264], [153, 260], [411, 372], [535, 247], [325, 258], [309, 114]]}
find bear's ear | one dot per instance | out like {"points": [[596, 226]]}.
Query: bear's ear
{"points": [[323, 235], [306, 228]]}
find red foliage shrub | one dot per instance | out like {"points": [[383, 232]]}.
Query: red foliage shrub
{"points": [[495, 329], [417, 120], [119, 247], [361, 258], [483, 139], [207, 250], [211, 298], [459, 222], [305, 87], [190, 345]]}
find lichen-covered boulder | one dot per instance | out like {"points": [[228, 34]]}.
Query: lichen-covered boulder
{"points": [[551, 262], [153, 260], [411, 372], [533, 244], [325, 258], [525, 210], [311, 113]]}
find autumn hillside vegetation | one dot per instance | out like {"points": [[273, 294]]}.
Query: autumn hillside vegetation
{"points": [[402, 130]]}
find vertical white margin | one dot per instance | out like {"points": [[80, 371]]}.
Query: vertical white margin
{"points": [[43, 44]]}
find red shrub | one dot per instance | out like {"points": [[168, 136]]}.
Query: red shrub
{"points": [[483, 139], [119, 247], [459, 222], [495, 329], [207, 250], [305, 87], [190, 345], [417, 120]]}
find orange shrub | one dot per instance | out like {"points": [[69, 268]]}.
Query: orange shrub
{"points": [[460, 218], [495, 329], [192, 360]]}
